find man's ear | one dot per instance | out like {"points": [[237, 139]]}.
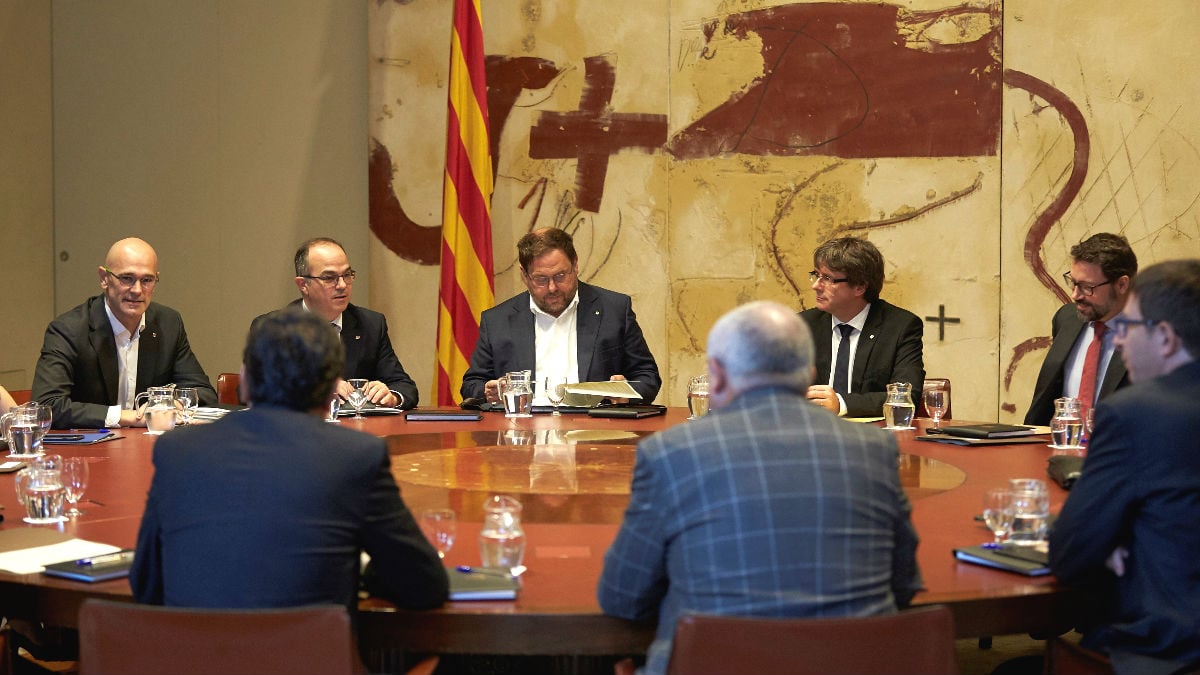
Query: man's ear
{"points": [[1122, 285], [1166, 340], [300, 285]]}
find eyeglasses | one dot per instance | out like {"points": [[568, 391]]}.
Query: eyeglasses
{"points": [[1086, 289], [331, 279], [131, 280], [544, 281], [1120, 325], [825, 278]]}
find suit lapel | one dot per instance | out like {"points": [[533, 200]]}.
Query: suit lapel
{"points": [[149, 345], [351, 338], [103, 343], [823, 347], [866, 344], [587, 327], [1113, 376], [520, 326]]}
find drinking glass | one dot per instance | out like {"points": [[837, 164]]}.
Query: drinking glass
{"points": [[439, 527], [1030, 509], [698, 397], [998, 513], [1089, 423], [358, 397], [936, 402], [556, 391], [335, 406], [75, 473], [188, 399]]}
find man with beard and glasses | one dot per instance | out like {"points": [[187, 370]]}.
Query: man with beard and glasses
{"points": [[97, 357], [561, 327], [1100, 277]]}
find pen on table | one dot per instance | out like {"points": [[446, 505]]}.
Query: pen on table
{"points": [[101, 559], [467, 569]]}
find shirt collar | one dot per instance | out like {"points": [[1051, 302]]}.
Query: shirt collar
{"points": [[337, 322], [858, 321], [567, 311], [118, 328]]}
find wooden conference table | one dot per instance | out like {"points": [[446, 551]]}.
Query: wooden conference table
{"points": [[572, 475]]}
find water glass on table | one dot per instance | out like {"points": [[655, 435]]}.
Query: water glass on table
{"points": [[75, 473], [1030, 509], [997, 513], [439, 526], [358, 396], [556, 391], [937, 401], [188, 399], [698, 397]]}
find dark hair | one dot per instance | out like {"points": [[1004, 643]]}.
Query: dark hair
{"points": [[292, 359], [301, 259], [1170, 291], [1110, 252], [541, 241], [857, 259]]}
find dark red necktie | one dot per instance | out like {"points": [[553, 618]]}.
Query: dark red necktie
{"points": [[1091, 367]]}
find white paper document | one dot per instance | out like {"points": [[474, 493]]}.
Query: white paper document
{"points": [[33, 560], [609, 389]]}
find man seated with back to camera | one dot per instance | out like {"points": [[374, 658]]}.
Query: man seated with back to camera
{"points": [[271, 506], [863, 343]]}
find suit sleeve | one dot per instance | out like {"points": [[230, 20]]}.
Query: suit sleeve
{"points": [[483, 363], [405, 568], [634, 580], [907, 366], [906, 575], [54, 377], [146, 577], [639, 364], [1096, 516], [389, 371]]}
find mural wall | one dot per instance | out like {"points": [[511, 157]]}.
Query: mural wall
{"points": [[699, 151]]}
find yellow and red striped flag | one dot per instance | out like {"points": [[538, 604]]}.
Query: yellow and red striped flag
{"points": [[467, 285]]}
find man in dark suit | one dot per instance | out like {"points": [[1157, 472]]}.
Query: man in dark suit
{"points": [[876, 342], [1101, 272], [1126, 530], [560, 327], [768, 505], [270, 507], [326, 283], [97, 357]]}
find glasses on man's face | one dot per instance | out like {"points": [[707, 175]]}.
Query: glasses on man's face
{"points": [[330, 279], [1120, 325], [814, 275], [542, 281], [131, 280], [1086, 289]]}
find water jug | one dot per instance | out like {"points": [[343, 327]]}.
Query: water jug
{"points": [[898, 409], [502, 540]]}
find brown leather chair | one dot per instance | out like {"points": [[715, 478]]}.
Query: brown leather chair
{"points": [[227, 388], [21, 395], [942, 382], [913, 641], [1064, 657], [126, 638]]}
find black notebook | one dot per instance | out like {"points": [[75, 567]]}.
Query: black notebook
{"points": [[626, 410], [96, 568], [986, 430], [482, 584], [1026, 560], [443, 416]]}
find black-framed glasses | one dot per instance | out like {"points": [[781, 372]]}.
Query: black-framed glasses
{"points": [[543, 281], [825, 278], [331, 279], [1120, 325], [1086, 289], [131, 280]]}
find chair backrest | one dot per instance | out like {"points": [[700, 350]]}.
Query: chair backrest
{"points": [[912, 641], [941, 383], [21, 395], [227, 388], [126, 638]]}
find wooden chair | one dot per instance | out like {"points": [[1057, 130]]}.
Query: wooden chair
{"points": [[913, 641], [118, 637], [227, 388], [943, 383]]}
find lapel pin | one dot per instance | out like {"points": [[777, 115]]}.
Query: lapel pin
{"points": [[872, 337]]}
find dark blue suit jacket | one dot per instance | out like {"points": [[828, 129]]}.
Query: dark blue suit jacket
{"points": [[270, 507], [889, 350], [78, 375], [369, 351], [1140, 489], [608, 339], [1066, 328], [770, 506]]}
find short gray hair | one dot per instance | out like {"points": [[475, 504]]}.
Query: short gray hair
{"points": [[763, 341]]}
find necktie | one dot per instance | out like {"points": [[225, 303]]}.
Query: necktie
{"points": [[1091, 366], [841, 369]]}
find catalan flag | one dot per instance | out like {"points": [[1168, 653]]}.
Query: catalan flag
{"points": [[467, 286]]}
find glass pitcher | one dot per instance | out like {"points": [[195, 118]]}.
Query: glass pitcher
{"points": [[502, 540], [158, 406], [898, 409], [1066, 429], [21, 431], [516, 390]]}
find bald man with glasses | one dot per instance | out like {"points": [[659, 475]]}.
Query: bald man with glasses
{"points": [[1083, 361], [97, 357]]}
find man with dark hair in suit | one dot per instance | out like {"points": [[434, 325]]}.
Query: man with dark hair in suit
{"points": [[271, 507], [97, 357], [326, 283], [1126, 529], [768, 505], [1100, 278], [560, 327], [863, 343]]}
